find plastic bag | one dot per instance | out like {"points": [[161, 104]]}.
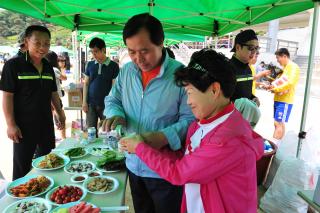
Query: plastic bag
{"points": [[287, 148], [293, 175]]}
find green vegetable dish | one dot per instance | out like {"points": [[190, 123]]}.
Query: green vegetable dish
{"points": [[109, 156], [75, 152]]}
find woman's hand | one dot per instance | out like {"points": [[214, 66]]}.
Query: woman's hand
{"points": [[130, 143]]}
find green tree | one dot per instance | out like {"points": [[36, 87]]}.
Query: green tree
{"points": [[12, 24]]}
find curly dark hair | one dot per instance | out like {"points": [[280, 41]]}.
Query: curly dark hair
{"points": [[206, 67]]}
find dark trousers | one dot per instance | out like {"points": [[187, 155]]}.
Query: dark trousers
{"points": [[154, 195], [40, 138], [22, 157], [94, 113]]}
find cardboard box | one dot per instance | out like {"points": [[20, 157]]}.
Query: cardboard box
{"points": [[75, 98]]}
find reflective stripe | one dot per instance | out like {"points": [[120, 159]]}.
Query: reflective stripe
{"points": [[47, 77], [28, 77], [25, 77], [245, 79]]}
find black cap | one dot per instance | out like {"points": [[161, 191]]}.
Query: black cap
{"points": [[243, 37]]}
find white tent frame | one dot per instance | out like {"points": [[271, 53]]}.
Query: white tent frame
{"points": [[302, 133]]}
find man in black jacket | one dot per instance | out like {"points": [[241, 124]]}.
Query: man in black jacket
{"points": [[245, 46]]}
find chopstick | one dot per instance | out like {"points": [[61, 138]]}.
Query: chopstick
{"points": [[114, 208]]}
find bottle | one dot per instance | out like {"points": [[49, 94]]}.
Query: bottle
{"points": [[91, 134], [120, 131], [78, 135]]}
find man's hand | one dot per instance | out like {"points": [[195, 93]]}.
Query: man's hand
{"points": [[85, 108], [130, 143], [265, 73], [261, 74], [111, 123], [61, 120], [270, 88], [14, 133]]}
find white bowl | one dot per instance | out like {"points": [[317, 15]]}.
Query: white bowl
{"points": [[97, 172], [79, 156], [69, 205], [66, 168], [115, 184], [36, 162], [95, 150], [12, 207], [24, 180], [48, 195], [73, 178]]}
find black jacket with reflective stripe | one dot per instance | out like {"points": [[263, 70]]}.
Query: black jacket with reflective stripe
{"points": [[244, 80], [32, 90]]}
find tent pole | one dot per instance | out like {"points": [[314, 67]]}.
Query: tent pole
{"points": [[302, 132], [76, 75], [151, 6]]}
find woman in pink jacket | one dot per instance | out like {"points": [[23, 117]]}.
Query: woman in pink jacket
{"points": [[218, 165]]}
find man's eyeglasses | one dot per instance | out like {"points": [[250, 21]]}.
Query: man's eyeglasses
{"points": [[39, 44], [251, 48]]}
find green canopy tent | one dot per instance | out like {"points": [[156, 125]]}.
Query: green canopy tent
{"points": [[115, 39], [111, 39], [202, 17], [115, 42]]}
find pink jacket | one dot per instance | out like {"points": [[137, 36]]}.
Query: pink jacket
{"points": [[224, 165]]}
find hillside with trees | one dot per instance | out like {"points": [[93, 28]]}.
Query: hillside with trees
{"points": [[12, 24]]}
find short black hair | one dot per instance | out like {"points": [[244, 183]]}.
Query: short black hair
{"points": [[98, 43], [282, 52], [147, 22], [39, 28], [52, 58], [206, 67]]}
